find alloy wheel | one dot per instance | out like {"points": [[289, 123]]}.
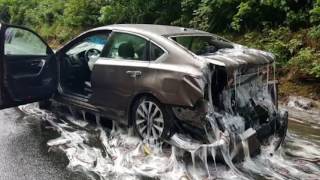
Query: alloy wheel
{"points": [[149, 120]]}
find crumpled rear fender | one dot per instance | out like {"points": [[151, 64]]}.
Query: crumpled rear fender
{"points": [[183, 89]]}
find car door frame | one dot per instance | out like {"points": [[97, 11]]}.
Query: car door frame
{"points": [[5, 100], [111, 112], [61, 52]]}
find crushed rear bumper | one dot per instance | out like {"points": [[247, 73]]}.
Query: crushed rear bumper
{"points": [[254, 137], [244, 110]]}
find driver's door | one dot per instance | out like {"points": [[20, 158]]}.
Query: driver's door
{"points": [[27, 67]]}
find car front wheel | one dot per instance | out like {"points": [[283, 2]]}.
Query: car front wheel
{"points": [[152, 120]]}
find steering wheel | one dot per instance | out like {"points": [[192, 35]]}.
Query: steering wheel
{"points": [[91, 53], [71, 61]]}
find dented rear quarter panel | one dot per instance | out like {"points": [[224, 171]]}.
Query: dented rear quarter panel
{"points": [[178, 78], [173, 82]]}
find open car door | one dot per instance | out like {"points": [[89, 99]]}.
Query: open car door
{"points": [[28, 69]]}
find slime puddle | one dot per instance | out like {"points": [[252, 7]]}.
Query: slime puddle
{"points": [[115, 153], [101, 153]]}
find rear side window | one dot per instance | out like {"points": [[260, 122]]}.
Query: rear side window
{"points": [[202, 45], [155, 52], [197, 44], [126, 46], [185, 41]]}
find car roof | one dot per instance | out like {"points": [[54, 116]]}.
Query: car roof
{"points": [[162, 30]]}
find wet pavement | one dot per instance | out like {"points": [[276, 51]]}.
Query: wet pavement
{"points": [[25, 154]]}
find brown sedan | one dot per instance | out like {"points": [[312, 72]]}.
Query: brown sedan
{"points": [[161, 80]]}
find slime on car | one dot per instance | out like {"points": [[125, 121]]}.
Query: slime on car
{"points": [[187, 87]]}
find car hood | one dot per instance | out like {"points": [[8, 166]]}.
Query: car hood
{"points": [[239, 57]]}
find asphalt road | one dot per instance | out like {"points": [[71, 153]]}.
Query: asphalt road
{"points": [[24, 154], [23, 151]]}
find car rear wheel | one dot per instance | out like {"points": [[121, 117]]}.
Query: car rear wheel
{"points": [[151, 119]]}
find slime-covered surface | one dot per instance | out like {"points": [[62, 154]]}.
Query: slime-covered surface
{"points": [[106, 152]]}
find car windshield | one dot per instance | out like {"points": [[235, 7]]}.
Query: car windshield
{"points": [[202, 45]]}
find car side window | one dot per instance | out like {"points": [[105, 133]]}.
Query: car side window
{"points": [[126, 46], [200, 44], [96, 41], [155, 52], [88, 49], [185, 41], [19, 41]]}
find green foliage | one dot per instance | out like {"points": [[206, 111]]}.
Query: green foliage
{"points": [[297, 19], [5, 12], [140, 11], [307, 61], [210, 15], [315, 32], [244, 11], [315, 13], [17, 10], [188, 8], [278, 41], [214, 15], [315, 70], [288, 28], [45, 12], [82, 13], [290, 48]]}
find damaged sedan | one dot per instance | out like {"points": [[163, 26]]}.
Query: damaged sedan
{"points": [[183, 86]]}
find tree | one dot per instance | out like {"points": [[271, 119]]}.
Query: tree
{"points": [[82, 13]]}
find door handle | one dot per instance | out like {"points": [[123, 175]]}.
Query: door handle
{"points": [[138, 73], [39, 63], [34, 63], [134, 74]]}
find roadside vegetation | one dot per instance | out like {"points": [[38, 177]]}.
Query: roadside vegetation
{"points": [[288, 28]]}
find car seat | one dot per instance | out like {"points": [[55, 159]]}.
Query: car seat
{"points": [[126, 51]]}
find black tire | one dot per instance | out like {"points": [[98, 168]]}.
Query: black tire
{"points": [[167, 114], [46, 104]]}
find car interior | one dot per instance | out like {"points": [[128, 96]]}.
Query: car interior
{"points": [[78, 61], [126, 46], [77, 64]]}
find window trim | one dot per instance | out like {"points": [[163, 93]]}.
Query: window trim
{"points": [[198, 34]]}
